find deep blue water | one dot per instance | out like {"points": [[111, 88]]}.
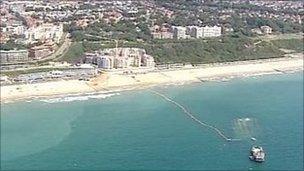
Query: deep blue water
{"points": [[140, 130]]}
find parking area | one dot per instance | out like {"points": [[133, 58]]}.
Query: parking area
{"points": [[80, 74]]}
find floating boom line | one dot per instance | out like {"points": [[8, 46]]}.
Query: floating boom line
{"points": [[189, 114]]}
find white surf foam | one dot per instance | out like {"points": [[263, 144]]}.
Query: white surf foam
{"points": [[244, 119], [78, 98]]}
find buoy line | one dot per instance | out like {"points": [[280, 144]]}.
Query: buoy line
{"points": [[189, 114]]}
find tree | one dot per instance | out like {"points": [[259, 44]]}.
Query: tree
{"points": [[237, 23], [77, 35], [10, 45]]}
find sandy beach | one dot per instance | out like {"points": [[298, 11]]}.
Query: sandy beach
{"points": [[109, 81]]}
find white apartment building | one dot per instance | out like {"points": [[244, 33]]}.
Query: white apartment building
{"points": [[179, 32], [120, 58], [162, 35], [126, 57], [196, 32], [214, 31], [148, 61], [44, 32], [18, 30]]}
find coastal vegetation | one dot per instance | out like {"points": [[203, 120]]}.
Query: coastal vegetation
{"points": [[75, 51], [223, 49], [11, 45], [241, 44], [290, 44]]}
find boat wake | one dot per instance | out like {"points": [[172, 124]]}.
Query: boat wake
{"points": [[245, 127], [78, 98], [189, 114]]}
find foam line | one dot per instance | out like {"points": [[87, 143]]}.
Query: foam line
{"points": [[189, 114]]}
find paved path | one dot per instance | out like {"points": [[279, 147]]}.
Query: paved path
{"points": [[60, 51]]}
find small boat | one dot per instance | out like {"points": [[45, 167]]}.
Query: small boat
{"points": [[253, 139], [257, 154]]}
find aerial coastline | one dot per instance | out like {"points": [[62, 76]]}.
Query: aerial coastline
{"points": [[151, 85], [114, 82]]}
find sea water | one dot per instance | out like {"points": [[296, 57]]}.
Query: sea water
{"points": [[139, 130]]}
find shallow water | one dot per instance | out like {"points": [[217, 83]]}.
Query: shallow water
{"points": [[140, 130]]}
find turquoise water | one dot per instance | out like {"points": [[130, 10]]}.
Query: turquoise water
{"points": [[140, 130]]}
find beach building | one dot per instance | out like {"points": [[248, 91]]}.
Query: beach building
{"points": [[120, 63], [102, 60], [126, 57], [120, 58], [105, 61], [40, 52], [13, 56], [89, 58], [148, 61]]}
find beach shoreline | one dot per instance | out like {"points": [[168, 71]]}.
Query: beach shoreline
{"points": [[113, 82]]}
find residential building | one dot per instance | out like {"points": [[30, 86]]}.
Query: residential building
{"points": [[40, 52], [120, 58], [148, 61], [195, 31], [162, 35], [161, 32], [214, 31], [4, 38], [45, 32], [166, 35], [106, 61], [179, 32], [13, 56], [13, 29]]}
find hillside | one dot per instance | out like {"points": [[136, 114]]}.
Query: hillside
{"points": [[223, 49]]}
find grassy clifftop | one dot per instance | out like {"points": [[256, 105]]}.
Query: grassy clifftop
{"points": [[290, 44], [214, 50], [223, 49]]}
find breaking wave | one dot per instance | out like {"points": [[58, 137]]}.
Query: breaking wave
{"points": [[78, 98]]}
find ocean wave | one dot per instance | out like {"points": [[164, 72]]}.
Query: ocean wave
{"points": [[78, 98], [244, 119]]}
